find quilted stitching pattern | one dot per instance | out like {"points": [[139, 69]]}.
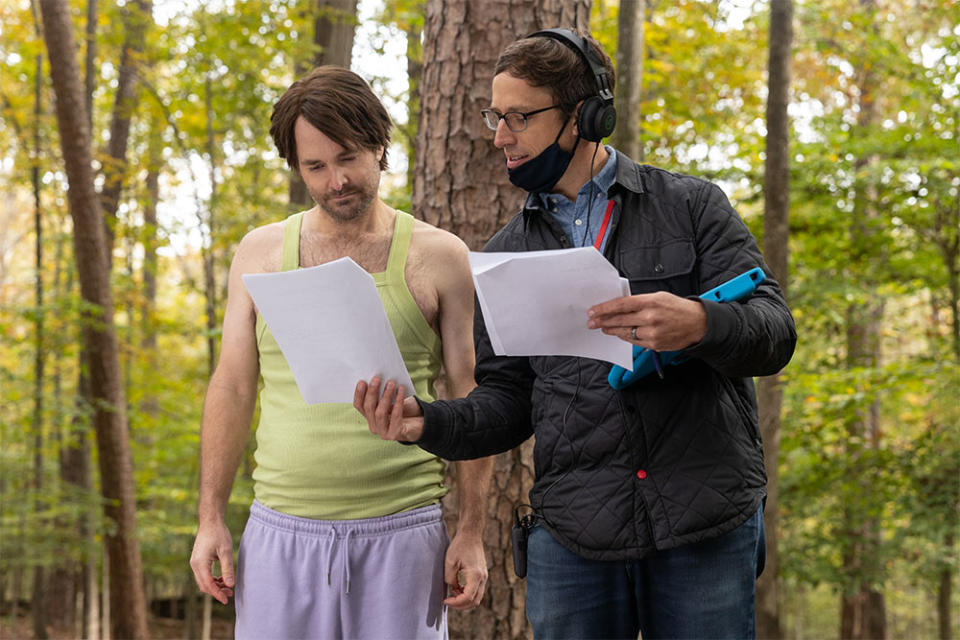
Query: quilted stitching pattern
{"points": [[703, 463]]}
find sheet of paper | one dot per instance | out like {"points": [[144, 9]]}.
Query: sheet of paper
{"points": [[535, 303], [331, 327]]}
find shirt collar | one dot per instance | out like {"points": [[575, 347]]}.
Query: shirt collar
{"points": [[601, 182], [624, 172]]}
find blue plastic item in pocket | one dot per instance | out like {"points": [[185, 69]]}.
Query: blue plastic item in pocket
{"points": [[643, 359]]}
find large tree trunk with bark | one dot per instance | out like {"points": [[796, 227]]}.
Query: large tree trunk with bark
{"points": [[776, 233], [460, 184], [627, 137], [334, 24], [90, 247]]}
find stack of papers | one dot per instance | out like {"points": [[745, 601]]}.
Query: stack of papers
{"points": [[331, 327], [535, 303]]}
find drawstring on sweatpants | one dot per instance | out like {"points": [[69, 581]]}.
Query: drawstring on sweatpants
{"points": [[333, 541], [345, 555], [346, 559]]}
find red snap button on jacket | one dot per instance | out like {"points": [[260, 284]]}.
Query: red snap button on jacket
{"points": [[641, 474]]}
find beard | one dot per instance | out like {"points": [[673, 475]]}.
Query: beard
{"points": [[359, 202]]}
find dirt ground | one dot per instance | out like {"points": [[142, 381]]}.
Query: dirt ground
{"points": [[160, 629]]}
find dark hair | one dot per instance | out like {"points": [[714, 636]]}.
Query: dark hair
{"points": [[545, 62], [340, 104]]}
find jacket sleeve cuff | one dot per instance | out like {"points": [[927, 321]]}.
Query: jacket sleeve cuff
{"points": [[722, 328], [433, 439]]}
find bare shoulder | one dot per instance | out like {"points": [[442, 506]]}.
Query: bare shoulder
{"points": [[433, 243], [437, 263], [260, 250]]}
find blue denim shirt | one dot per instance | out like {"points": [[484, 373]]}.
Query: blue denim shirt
{"points": [[580, 226]]}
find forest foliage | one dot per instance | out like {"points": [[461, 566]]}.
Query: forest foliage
{"points": [[210, 73]]}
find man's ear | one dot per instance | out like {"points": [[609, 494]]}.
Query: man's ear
{"points": [[380, 151], [576, 118]]}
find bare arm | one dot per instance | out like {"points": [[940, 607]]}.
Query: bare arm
{"points": [[466, 566], [227, 413]]}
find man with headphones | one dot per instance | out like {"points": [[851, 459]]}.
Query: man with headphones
{"points": [[646, 511]]}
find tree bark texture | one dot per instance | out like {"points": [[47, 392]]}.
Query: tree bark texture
{"points": [[460, 184], [116, 468], [776, 233], [334, 25], [627, 137]]}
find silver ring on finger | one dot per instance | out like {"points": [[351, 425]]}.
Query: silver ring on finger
{"points": [[633, 333]]}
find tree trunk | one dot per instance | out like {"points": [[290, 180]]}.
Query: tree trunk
{"points": [[627, 137], [460, 184], [90, 61], [90, 247], [414, 76], [207, 251], [862, 612], [776, 232], [945, 594], [63, 585], [334, 24], [138, 14], [150, 405], [38, 600]]}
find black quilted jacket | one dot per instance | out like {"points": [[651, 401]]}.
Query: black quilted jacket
{"points": [[663, 462]]}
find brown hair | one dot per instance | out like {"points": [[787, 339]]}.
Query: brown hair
{"points": [[545, 62], [340, 104]]}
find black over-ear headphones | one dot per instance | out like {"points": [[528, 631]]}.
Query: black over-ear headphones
{"points": [[597, 116]]}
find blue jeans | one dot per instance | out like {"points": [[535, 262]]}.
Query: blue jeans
{"points": [[701, 590]]}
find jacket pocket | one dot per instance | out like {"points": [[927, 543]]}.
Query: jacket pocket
{"points": [[667, 267]]}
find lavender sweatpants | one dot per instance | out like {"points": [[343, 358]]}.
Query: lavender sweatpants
{"points": [[300, 578]]}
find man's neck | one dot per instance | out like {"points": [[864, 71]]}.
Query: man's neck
{"points": [[377, 218], [579, 170]]}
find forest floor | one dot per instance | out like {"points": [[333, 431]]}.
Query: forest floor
{"points": [[160, 629]]}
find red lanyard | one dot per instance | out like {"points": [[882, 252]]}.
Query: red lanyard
{"points": [[603, 226]]}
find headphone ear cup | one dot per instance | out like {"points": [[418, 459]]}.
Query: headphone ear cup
{"points": [[596, 119], [587, 119], [606, 120]]}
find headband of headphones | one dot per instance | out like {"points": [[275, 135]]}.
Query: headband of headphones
{"points": [[577, 43], [597, 117]]}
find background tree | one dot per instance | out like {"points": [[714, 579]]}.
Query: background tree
{"points": [[627, 137], [776, 230], [90, 248], [705, 87], [460, 185], [334, 23]]}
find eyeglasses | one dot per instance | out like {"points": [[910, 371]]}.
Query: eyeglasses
{"points": [[516, 121]]}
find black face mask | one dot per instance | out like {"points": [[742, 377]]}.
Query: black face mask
{"points": [[543, 172]]}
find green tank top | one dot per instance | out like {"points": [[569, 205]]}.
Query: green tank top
{"points": [[321, 461]]}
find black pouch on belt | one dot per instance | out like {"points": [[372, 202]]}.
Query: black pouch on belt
{"points": [[520, 534]]}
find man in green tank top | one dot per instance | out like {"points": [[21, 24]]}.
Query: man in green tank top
{"points": [[342, 522]]}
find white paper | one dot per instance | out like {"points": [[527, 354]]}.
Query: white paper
{"points": [[331, 327], [535, 303]]}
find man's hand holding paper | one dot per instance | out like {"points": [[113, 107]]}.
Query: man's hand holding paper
{"points": [[659, 321], [535, 303], [390, 415]]}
